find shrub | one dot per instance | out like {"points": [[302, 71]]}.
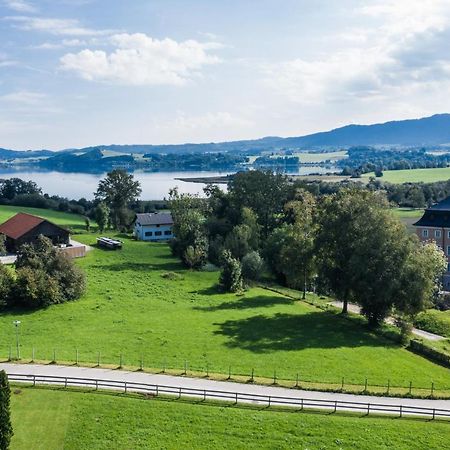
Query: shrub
{"points": [[6, 430], [6, 285], [434, 321], [231, 275], [252, 266]]}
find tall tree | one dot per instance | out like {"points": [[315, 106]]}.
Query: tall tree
{"points": [[263, 192], [102, 213], [6, 429], [343, 219], [118, 190]]}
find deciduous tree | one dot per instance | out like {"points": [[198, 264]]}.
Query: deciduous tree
{"points": [[6, 429]]}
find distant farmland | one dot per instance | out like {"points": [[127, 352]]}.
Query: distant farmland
{"points": [[414, 175]]}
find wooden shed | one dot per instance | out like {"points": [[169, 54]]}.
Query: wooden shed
{"points": [[25, 228]]}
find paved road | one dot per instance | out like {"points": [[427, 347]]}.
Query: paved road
{"points": [[421, 333], [201, 383]]}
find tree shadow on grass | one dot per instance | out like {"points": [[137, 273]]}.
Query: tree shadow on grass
{"points": [[287, 332], [261, 301]]}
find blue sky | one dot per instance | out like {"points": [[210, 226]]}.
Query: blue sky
{"points": [[88, 72]]}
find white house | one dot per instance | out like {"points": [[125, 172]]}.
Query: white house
{"points": [[153, 226]]}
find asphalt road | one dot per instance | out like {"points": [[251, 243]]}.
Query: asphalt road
{"points": [[205, 384]]}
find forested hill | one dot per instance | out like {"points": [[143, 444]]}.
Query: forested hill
{"points": [[434, 130]]}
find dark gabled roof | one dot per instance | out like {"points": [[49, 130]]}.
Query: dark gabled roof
{"points": [[22, 223], [437, 216], [155, 219]]}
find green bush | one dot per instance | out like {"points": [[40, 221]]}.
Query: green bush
{"points": [[434, 321]]}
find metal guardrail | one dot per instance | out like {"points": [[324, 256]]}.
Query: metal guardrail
{"points": [[235, 397]]}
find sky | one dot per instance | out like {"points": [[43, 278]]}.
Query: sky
{"points": [[76, 73]]}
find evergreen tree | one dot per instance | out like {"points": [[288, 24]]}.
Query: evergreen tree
{"points": [[6, 430], [231, 275]]}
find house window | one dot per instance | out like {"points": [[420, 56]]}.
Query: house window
{"points": [[448, 267], [149, 233], [425, 233], [167, 233], [158, 233], [437, 233], [448, 234], [448, 249]]}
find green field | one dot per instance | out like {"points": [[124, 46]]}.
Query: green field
{"points": [[408, 216], [413, 175], [72, 221], [132, 310], [55, 419]]}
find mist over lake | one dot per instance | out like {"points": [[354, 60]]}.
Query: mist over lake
{"points": [[155, 185]]}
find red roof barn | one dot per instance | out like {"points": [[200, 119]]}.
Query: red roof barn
{"points": [[25, 228]]}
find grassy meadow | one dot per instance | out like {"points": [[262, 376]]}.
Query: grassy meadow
{"points": [[414, 175], [142, 304], [55, 419], [72, 221]]}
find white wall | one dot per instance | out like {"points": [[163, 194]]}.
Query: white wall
{"points": [[140, 232]]}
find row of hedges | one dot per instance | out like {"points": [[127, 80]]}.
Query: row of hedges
{"points": [[434, 321]]}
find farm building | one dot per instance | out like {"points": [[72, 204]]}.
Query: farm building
{"points": [[25, 228], [434, 225], [153, 226]]}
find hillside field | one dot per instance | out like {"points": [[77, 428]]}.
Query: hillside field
{"points": [[72, 221], [55, 419], [142, 304], [413, 175]]}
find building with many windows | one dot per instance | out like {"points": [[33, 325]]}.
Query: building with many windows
{"points": [[434, 225], [153, 226]]}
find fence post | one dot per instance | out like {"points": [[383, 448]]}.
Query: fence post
{"points": [[252, 379], [157, 390], [401, 410], [410, 387], [207, 370], [32, 354], [274, 377], [185, 367], [434, 413], [229, 373], [342, 384], [10, 354], [368, 408], [96, 385], [335, 405], [365, 386], [141, 367], [204, 395], [34, 380], [98, 359], [269, 401], [125, 387], [432, 388], [302, 403], [65, 383], [54, 355], [388, 386], [121, 361], [179, 393], [296, 381], [76, 358]]}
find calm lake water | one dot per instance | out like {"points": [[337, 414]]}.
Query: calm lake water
{"points": [[155, 185]]}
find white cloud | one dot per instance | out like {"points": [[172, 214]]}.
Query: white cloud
{"points": [[59, 27], [20, 6], [402, 52], [141, 60], [61, 44], [23, 97]]}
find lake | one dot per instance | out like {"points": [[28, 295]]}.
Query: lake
{"points": [[155, 185]]}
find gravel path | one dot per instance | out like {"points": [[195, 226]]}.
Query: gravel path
{"points": [[201, 384]]}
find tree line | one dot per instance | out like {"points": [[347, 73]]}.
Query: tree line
{"points": [[345, 243]]}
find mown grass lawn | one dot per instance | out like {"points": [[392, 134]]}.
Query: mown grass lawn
{"points": [[52, 419], [414, 175], [408, 216], [72, 221], [131, 309]]}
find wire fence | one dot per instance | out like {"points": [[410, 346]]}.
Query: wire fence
{"points": [[236, 398]]}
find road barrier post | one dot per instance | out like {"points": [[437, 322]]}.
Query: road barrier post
{"points": [[432, 389], [296, 381], [252, 379], [32, 354], [274, 377], [54, 355], [342, 384], [388, 386], [365, 386], [229, 373], [410, 387], [98, 359], [76, 358]]}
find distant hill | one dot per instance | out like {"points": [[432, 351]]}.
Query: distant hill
{"points": [[434, 130]]}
